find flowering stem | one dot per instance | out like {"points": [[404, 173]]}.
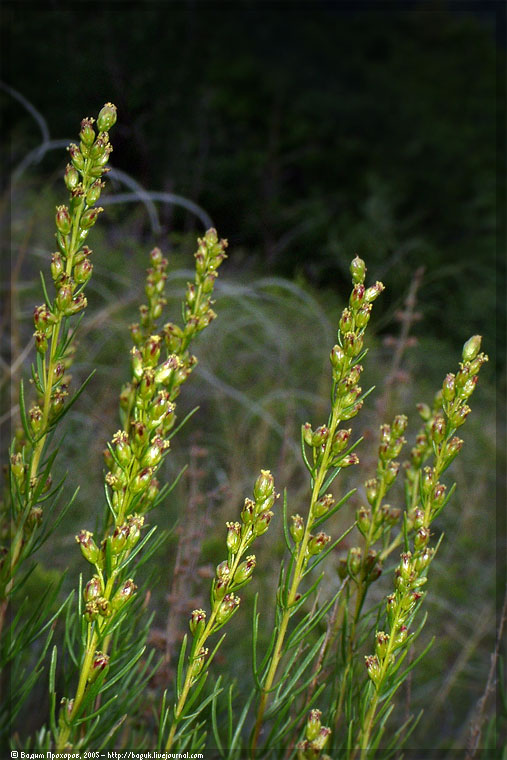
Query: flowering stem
{"points": [[296, 580]]}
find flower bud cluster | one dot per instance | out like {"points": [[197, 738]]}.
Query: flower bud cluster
{"points": [[316, 738], [374, 520], [122, 539], [197, 311], [234, 572], [71, 269], [255, 518], [449, 411], [410, 576], [156, 276]]}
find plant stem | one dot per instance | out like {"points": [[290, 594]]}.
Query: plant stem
{"points": [[296, 580]]}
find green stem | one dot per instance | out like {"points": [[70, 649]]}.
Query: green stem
{"points": [[296, 580], [196, 647]]}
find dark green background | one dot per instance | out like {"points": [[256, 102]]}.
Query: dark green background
{"points": [[308, 131]]}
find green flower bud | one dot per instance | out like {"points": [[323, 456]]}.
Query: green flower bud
{"points": [[390, 608], [135, 523], [348, 460], [363, 315], [83, 271], [346, 323], [472, 348], [320, 435], [352, 344], [337, 358], [423, 559], [405, 568], [399, 425], [321, 740], [391, 472], [307, 433], [63, 220], [313, 725], [424, 412], [317, 543], [198, 662], [77, 304], [118, 539], [151, 351], [449, 387], [64, 298], [91, 611], [18, 468], [421, 538], [401, 636], [297, 528], [89, 217], [87, 133], [357, 296], [139, 435], [323, 505], [104, 607], [142, 480], [468, 387], [107, 117], [342, 569], [124, 594], [438, 429], [155, 452], [228, 607], [458, 417], [41, 341], [340, 440], [264, 486], [452, 449], [197, 622], [363, 517], [262, 523], [381, 644], [99, 664], [165, 372], [233, 536], [245, 570], [36, 418], [357, 270], [76, 157], [93, 589], [416, 518], [373, 667], [354, 560], [248, 511], [373, 292], [94, 192], [88, 547], [122, 450], [438, 496], [371, 488], [71, 177], [57, 266]]}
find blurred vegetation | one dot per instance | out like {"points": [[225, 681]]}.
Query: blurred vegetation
{"points": [[307, 135], [307, 131]]}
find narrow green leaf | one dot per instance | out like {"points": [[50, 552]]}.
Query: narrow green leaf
{"points": [[22, 412], [137, 549], [336, 507], [284, 519], [181, 663], [44, 290], [183, 422]]}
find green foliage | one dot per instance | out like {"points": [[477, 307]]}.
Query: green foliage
{"points": [[288, 672]]}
